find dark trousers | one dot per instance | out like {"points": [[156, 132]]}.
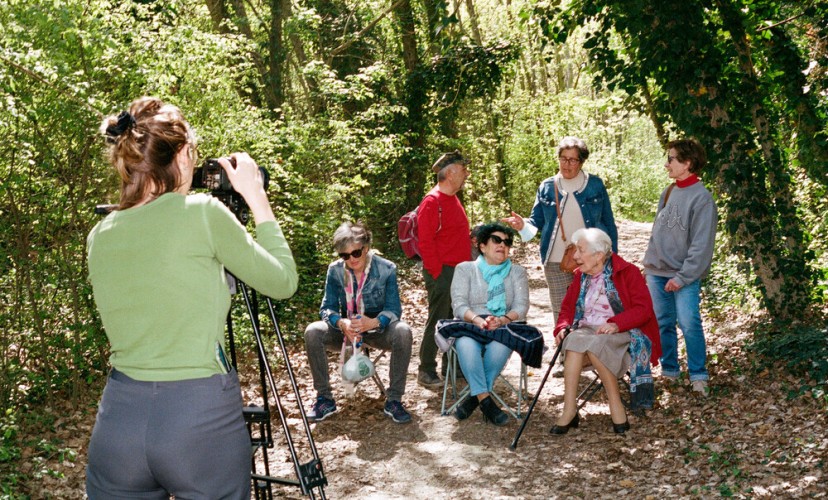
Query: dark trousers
{"points": [[439, 307]]}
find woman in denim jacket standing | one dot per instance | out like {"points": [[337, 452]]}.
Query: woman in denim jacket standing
{"points": [[361, 303], [588, 206]]}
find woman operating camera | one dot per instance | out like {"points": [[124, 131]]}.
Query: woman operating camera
{"points": [[170, 418]]}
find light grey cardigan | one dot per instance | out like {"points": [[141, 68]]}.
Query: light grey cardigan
{"points": [[470, 291]]}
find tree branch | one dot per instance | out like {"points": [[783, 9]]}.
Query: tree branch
{"points": [[66, 91], [780, 23], [342, 48]]}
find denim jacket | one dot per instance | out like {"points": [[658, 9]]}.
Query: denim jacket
{"points": [[595, 207], [380, 293]]}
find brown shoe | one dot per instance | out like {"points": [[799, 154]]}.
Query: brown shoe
{"points": [[429, 380]]}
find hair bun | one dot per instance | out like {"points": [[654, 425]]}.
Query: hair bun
{"points": [[124, 123]]}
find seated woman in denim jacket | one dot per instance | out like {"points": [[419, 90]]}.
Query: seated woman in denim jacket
{"points": [[361, 302], [490, 297]]}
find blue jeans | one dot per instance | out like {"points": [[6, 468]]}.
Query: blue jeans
{"points": [[682, 307], [481, 363]]}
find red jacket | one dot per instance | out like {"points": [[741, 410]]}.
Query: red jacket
{"points": [[635, 296], [442, 232]]}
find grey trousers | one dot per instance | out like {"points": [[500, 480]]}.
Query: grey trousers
{"points": [[155, 439], [439, 307], [321, 337]]}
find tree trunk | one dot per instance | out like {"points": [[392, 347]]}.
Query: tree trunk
{"points": [[277, 55], [435, 10], [219, 14], [475, 26], [414, 172], [781, 266]]}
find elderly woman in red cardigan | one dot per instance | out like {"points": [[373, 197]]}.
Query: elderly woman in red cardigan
{"points": [[606, 321]]}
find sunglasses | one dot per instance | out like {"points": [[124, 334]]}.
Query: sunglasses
{"points": [[498, 240], [355, 254]]}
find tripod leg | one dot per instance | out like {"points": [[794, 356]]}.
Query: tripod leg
{"points": [[513, 446], [309, 475]]}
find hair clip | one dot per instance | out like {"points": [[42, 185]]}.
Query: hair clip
{"points": [[125, 122]]}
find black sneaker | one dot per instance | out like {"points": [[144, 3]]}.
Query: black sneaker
{"points": [[396, 411], [429, 379], [322, 409]]}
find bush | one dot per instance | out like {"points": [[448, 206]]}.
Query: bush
{"points": [[803, 350]]}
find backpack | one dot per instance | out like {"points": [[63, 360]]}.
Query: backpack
{"points": [[407, 233]]}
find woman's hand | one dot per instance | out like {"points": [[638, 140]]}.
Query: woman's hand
{"points": [[351, 333], [363, 324], [607, 328], [672, 285], [247, 181], [479, 322], [495, 322], [516, 221]]}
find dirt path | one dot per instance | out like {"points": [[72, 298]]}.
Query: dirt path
{"points": [[746, 439]]}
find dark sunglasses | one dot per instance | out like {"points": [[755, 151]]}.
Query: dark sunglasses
{"points": [[498, 240], [355, 254]]}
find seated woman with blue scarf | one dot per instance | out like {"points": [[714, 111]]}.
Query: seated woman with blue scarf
{"points": [[609, 315], [490, 297]]}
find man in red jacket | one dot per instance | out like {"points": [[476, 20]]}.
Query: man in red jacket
{"points": [[443, 234]]}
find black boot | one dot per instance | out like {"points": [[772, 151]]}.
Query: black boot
{"points": [[492, 412], [466, 408]]}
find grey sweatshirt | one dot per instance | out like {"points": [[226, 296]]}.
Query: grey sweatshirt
{"points": [[681, 245]]}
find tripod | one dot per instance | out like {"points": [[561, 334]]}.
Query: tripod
{"points": [[309, 476]]}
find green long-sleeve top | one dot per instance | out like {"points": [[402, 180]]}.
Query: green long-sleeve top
{"points": [[157, 274]]}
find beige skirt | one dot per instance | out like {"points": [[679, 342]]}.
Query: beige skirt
{"points": [[611, 349]]}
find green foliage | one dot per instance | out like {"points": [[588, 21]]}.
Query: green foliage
{"points": [[623, 151], [730, 285], [9, 453], [801, 348]]}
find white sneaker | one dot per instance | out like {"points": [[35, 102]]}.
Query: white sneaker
{"points": [[700, 386]]}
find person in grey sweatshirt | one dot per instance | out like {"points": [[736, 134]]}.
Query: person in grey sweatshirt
{"points": [[678, 256]]}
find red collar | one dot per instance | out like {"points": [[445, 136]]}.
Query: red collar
{"points": [[688, 181]]}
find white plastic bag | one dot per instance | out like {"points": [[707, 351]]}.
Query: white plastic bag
{"points": [[358, 367]]}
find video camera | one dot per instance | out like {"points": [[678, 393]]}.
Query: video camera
{"points": [[212, 176]]}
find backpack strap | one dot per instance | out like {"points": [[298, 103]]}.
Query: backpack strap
{"points": [[667, 197]]}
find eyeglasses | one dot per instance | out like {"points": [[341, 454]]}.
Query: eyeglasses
{"points": [[355, 254], [570, 161], [498, 240], [670, 158]]}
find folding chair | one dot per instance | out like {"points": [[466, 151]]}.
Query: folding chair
{"points": [[450, 381], [595, 385], [376, 378]]}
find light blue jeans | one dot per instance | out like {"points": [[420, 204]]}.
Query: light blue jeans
{"points": [[682, 307], [481, 363]]}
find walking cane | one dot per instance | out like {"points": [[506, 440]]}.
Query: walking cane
{"points": [[513, 446]]}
